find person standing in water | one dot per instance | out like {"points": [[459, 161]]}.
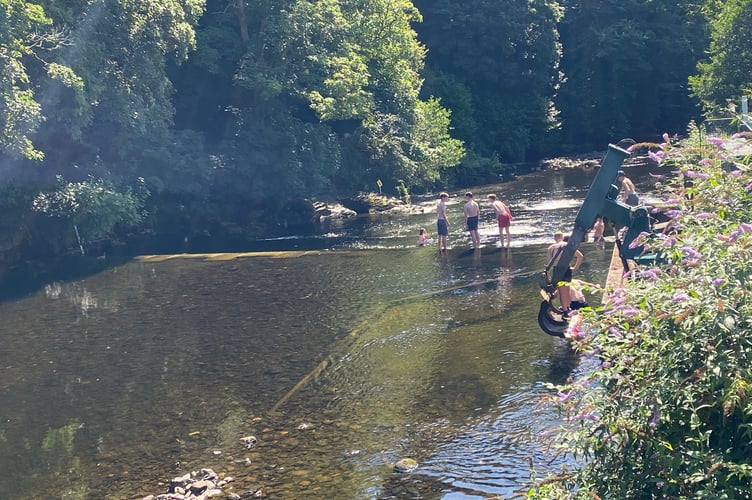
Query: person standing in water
{"points": [[503, 217], [442, 224], [628, 189], [472, 215], [598, 229]]}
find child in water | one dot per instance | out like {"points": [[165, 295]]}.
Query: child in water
{"points": [[598, 228], [423, 237]]}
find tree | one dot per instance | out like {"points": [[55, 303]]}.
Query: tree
{"points": [[344, 72], [363, 62], [499, 67], [94, 207], [725, 74], [626, 65], [22, 35]]}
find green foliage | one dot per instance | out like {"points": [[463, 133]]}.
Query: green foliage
{"points": [[725, 74], [626, 65], [15, 200], [95, 207], [457, 96], [362, 61], [504, 64], [663, 407], [20, 114], [432, 148], [476, 169]]}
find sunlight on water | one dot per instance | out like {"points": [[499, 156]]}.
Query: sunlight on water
{"points": [[554, 205]]}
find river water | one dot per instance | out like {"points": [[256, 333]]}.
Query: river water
{"points": [[341, 353]]}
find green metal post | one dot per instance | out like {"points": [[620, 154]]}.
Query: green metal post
{"points": [[595, 202]]}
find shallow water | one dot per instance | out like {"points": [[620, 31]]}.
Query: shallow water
{"points": [[340, 360]]}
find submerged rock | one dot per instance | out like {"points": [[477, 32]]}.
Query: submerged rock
{"points": [[405, 465]]}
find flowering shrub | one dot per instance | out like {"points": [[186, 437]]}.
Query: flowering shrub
{"points": [[665, 409]]}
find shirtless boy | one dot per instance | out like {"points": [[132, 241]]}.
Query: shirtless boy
{"points": [[442, 224], [554, 252], [472, 214], [503, 217], [628, 188], [598, 229]]}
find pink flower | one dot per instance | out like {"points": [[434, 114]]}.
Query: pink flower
{"points": [[564, 396], [669, 242], [691, 252], [586, 416], [649, 274], [630, 311]]}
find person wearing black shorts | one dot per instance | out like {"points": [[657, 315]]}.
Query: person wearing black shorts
{"points": [[472, 214], [442, 224]]}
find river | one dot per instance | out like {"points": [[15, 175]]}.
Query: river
{"points": [[341, 353]]}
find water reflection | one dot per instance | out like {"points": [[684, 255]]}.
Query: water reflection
{"points": [[339, 361]]}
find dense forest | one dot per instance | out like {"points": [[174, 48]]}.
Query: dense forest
{"points": [[227, 117]]}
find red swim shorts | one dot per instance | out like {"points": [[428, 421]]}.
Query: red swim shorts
{"points": [[505, 220]]}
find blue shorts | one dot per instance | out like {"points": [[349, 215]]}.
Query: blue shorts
{"points": [[472, 223], [442, 228]]}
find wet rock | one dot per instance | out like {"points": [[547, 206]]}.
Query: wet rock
{"points": [[365, 203], [324, 211], [180, 483], [209, 474], [405, 465], [249, 441], [224, 482], [254, 493], [200, 485]]}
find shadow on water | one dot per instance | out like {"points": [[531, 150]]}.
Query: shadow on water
{"points": [[28, 277]]}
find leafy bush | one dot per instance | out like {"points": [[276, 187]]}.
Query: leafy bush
{"points": [[93, 207], [664, 408]]}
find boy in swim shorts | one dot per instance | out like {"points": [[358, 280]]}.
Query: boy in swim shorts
{"points": [[503, 217], [472, 213], [442, 224]]}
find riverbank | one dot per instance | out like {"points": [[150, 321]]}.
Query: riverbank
{"points": [[310, 224]]}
